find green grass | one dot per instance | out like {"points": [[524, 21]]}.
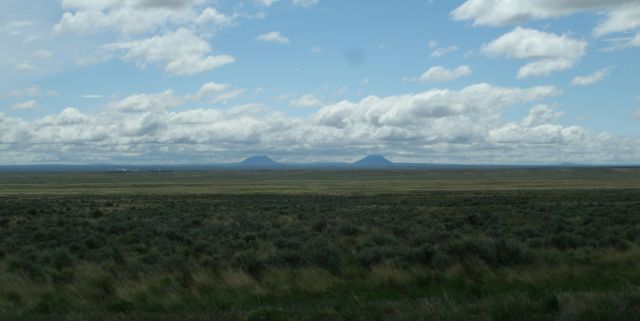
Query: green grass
{"points": [[334, 245]]}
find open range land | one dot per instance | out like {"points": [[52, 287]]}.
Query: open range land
{"points": [[494, 244]]}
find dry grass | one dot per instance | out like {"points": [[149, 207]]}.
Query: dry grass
{"points": [[316, 181]]}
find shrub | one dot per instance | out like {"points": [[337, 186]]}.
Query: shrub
{"points": [[96, 213], [50, 303], [319, 252], [424, 254], [379, 238], [526, 232], [27, 266], [95, 241], [372, 255], [319, 226], [535, 242], [348, 229], [62, 277], [565, 241], [441, 260], [493, 252], [102, 286], [120, 305], [467, 249], [551, 303], [509, 253], [615, 242], [247, 261], [13, 298], [61, 258], [286, 258]]}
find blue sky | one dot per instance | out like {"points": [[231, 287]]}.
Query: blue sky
{"points": [[184, 81]]}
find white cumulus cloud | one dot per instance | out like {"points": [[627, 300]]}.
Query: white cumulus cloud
{"points": [[438, 51], [438, 125], [619, 15], [25, 105], [504, 12], [146, 102], [591, 78], [440, 73], [274, 37], [308, 100], [42, 54], [212, 15], [210, 89], [541, 114], [548, 52], [31, 91], [128, 17], [25, 67], [266, 3], [305, 3], [180, 53], [620, 19]]}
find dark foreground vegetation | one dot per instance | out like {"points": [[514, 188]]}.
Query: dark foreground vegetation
{"points": [[513, 254]]}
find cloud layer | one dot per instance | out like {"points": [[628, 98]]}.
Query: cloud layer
{"points": [[435, 125]]}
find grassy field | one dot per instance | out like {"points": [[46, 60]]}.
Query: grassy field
{"points": [[521, 244], [316, 181]]}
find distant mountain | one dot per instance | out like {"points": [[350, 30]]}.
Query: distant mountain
{"points": [[259, 161], [374, 161], [262, 162]]}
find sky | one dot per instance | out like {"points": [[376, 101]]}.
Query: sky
{"points": [[429, 81]]}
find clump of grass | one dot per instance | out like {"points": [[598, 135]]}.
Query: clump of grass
{"points": [[267, 314], [238, 281], [386, 274]]}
